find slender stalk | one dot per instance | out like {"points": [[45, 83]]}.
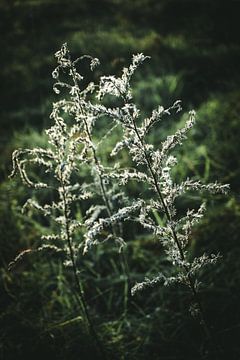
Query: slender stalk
{"points": [[124, 263], [80, 293], [127, 286], [181, 252]]}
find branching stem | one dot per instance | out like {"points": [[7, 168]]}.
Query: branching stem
{"points": [[124, 262], [80, 293], [174, 234]]}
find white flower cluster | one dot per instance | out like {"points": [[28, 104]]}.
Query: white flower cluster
{"points": [[94, 231], [120, 87], [157, 164], [71, 146]]}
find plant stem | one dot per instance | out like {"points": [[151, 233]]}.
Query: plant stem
{"points": [[181, 252], [124, 263], [80, 293]]}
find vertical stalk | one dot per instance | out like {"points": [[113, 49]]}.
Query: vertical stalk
{"points": [[124, 263], [113, 228], [195, 295], [80, 293]]}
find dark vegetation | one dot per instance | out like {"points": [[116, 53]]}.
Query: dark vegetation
{"points": [[195, 51]]}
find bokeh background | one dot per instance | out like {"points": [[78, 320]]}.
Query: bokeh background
{"points": [[195, 56]]}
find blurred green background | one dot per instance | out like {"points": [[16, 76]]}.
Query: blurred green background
{"points": [[195, 56]]}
